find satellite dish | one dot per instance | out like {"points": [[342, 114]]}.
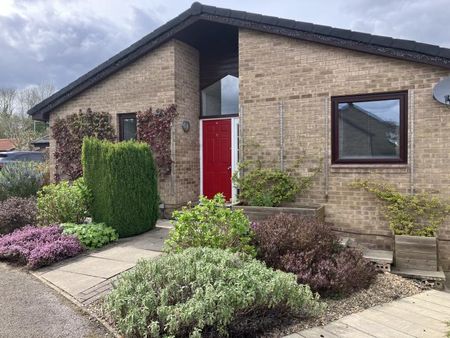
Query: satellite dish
{"points": [[441, 91]]}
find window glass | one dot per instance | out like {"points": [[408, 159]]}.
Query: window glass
{"points": [[368, 130], [128, 127], [221, 98]]}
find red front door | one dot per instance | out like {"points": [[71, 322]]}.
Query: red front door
{"points": [[217, 158]]}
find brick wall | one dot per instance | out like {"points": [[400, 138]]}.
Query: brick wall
{"points": [[302, 76], [165, 76]]}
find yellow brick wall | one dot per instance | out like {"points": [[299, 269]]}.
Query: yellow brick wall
{"points": [[303, 76], [165, 76]]}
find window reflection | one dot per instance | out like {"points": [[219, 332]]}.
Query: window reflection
{"points": [[222, 97], [369, 129]]}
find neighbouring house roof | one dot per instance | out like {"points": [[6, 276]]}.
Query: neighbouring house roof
{"points": [[6, 145], [42, 142], [374, 44]]}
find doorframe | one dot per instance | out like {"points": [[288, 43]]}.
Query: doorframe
{"points": [[234, 150]]}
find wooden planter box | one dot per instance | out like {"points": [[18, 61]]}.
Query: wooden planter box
{"points": [[415, 252], [261, 213]]}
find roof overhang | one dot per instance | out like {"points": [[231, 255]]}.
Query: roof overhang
{"points": [[373, 44]]}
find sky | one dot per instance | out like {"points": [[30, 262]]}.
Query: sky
{"points": [[44, 41]]}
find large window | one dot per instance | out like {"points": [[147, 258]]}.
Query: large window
{"points": [[369, 128], [221, 98], [127, 127]]}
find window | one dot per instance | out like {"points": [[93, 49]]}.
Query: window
{"points": [[369, 128], [221, 98], [127, 127]]}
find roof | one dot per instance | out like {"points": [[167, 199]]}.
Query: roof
{"points": [[43, 141], [6, 145], [374, 44]]}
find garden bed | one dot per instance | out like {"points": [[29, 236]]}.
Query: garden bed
{"points": [[261, 213], [386, 288]]}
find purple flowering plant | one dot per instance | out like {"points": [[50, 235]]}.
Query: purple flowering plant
{"points": [[38, 246]]}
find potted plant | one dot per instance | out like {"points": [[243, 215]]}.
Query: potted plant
{"points": [[414, 220], [263, 192]]}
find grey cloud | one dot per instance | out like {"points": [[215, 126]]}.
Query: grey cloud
{"points": [[58, 49], [422, 20]]}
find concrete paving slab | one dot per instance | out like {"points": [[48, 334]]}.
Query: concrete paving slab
{"points": [[439, 298], [344, 330], [316, 332], [125, 253], [400, 324], [372, 328], [417, 308], [97, 267], [72, 283], [431, 306], [411, 313]]}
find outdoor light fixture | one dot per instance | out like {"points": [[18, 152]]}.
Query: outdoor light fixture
{"points": [[185, 125]]}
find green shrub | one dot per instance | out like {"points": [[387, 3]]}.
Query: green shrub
{"points": [[20, 179], [269, 187], [91, 235], [413, 215], [210, 224], [63, 202], [204, 291], [123, 180]]}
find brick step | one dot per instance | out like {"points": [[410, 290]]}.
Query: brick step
{"points": [[435, 279]]}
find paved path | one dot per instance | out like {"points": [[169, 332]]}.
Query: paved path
{"points": [[88, 277], [29, 308], [424, 315]]}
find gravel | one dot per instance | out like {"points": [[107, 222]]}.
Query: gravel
{"points": [[387, 287]]}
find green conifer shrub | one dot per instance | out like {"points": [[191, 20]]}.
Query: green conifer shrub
{"points": [[123, 180]]}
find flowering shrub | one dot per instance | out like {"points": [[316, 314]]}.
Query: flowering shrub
{"points": [[69, 132], [210, 224], [36, 247], [63, 202], [205, 292], [308, 248], [91, 235], [16, 212], [20, 179], [154, 128]]}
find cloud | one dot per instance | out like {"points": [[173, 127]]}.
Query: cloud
{"points": [[421, 20], [50, 45], [58, 41]]}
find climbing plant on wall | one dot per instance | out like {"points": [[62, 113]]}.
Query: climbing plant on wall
{"points": [[69, 132], [154, 128]]}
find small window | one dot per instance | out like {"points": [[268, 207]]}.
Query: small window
{"points": [[127, 127], [221, 98], [369, 128]]}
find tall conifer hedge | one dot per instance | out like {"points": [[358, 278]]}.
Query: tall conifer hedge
{"points": [[123, 180]]}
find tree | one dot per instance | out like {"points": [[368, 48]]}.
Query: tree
{"points": [[15, 123]]}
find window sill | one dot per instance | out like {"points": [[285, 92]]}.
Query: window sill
{"points": [[369, 168]]}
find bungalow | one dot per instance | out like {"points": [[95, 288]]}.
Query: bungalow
{"points": [[255, 87]]}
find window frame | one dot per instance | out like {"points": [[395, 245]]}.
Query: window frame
{"points": [[402, 96], [122, 117]]}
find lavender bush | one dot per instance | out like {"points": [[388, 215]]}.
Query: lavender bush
{"points": [[21, 179], [37, 247]]}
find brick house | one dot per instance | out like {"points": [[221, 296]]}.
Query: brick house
{"points": [[258, 87]]}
